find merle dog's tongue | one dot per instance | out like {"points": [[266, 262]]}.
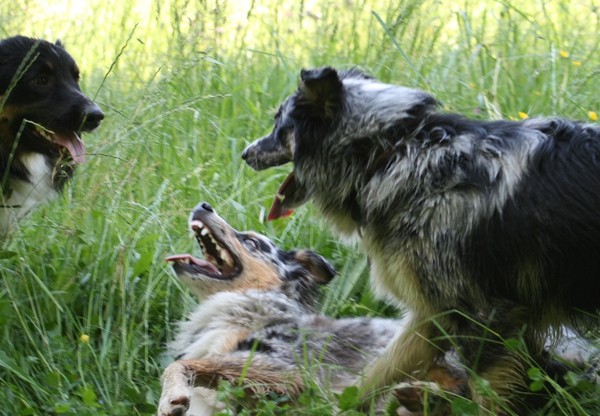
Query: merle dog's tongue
{"points": [[73, 144], [287, 188]]}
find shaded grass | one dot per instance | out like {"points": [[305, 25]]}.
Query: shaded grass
{"points": [[185, 86]]}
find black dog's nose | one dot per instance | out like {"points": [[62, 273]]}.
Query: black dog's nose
{"points": [[245, 154], [93, 118], [206, 206]]}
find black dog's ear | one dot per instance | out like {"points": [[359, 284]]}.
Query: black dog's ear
{"points": [[321, 88], [59, 43], [320, 269]]}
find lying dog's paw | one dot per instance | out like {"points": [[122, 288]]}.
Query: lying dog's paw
{"points": [[174, 404]]}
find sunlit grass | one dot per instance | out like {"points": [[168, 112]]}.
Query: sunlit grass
{"points": [[86, 302]]}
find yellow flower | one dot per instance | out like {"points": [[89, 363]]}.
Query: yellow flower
{"points": [[592, 115], [576, 63], [564, 54], [523, 115], [84, 338]]}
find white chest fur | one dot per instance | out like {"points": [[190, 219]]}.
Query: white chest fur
{"points": [[26, 195]]}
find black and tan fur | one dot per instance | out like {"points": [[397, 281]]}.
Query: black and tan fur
{"points": [[485, 230], [257, 324], [42, 114]]}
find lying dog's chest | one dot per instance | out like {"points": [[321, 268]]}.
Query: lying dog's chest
{"points": [[223, 321], [25, 195]]}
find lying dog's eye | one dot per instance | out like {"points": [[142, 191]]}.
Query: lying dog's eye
{"points": [[251, 243]]}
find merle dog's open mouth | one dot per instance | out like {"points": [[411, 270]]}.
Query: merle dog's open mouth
{"points": [[219, 261], [69, 141]]}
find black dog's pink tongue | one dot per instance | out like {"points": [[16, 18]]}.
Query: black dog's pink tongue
{"points": [[288, 187], [73, 144]]}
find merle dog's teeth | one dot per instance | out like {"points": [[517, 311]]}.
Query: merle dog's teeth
{"points": [[204, 231]]}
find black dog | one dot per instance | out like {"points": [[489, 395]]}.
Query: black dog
{"points": [[499, 220], [42, 113]]}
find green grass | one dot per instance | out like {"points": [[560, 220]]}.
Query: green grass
{"points": [[185, 85]]}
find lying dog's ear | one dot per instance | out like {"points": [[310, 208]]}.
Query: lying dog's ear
{"points": [[319, 268], [321, 88]]}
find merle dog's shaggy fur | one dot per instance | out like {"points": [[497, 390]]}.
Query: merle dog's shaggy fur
{"points": [[42, 112], [496, 219]]}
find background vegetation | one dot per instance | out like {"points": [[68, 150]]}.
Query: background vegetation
{"points": [[87, 303]]}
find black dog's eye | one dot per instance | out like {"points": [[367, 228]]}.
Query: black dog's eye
{"points": [[41, 80]]}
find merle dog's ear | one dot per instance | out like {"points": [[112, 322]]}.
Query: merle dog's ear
{"points": [[321, 88], [320, 269]]}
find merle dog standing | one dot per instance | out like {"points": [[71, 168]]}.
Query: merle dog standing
{"points": [[496, 219], [42, 114]]}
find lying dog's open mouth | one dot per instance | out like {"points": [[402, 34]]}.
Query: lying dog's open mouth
{"points": [[219, 261], [69, 141]]}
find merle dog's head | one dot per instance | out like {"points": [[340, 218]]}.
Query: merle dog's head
{"points": [[239, 261], [42, 108], [334, 118]]}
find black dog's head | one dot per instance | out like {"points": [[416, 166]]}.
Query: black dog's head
{"points": [[334, 117], [42, 108], [239, 261]]}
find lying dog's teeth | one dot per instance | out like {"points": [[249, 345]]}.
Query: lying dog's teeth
{"points": [[194, 224], [222, 253], [280, 197], [204, 232], [226, 258]]}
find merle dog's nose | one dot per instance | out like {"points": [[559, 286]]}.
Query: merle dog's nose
{"points": [[93, 117], [206, 206], [245, 153]]}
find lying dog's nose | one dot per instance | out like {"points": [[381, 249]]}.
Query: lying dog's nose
{"points": [[206, 206], [245, 154]]}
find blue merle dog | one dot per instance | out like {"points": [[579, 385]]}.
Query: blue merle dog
{"points": [[487, 231]]}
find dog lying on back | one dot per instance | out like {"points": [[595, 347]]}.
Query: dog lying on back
{"points": [[42, 114], [257, 323], [483, 229]]}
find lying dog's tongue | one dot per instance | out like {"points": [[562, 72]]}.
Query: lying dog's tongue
{"points": [[287, 188], [189, 259], [73, 144]]}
